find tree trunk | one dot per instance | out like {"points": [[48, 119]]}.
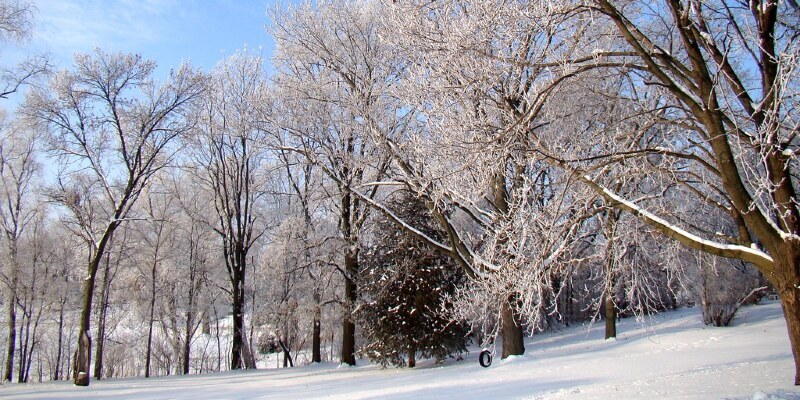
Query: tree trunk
{"points": [[153, 271], [101, 323], [217, 334], [191, 328], [24, 339], [238, 324], [12, 332], [12, 315], [348, 325], [247, 352], [790, 302], [287, 354], [513, 344], [82, 358], [412, 354], [32, 349], [148, 351], [60, 342], [611, 314], [187, 349], [316, 339]]}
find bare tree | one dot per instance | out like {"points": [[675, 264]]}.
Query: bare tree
{"points": [[18, 168], [114, 128], [726, 78], [231, 162], [333, 82], [16, 19]]}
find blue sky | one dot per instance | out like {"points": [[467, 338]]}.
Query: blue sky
{"points": [[167, 31]]}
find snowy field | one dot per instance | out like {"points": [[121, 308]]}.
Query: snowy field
{"points": [[672, 356]]}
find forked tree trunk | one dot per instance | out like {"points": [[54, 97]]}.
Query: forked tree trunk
{"points": [[513, 344]]}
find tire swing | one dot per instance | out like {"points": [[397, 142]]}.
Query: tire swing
{"points": [[485, 359]]}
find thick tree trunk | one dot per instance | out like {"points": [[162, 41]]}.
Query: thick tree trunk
{"points": [[348, 325], [238, 325], [187, 339], [790, 302], [82, 357], [513, 334], [247, 352], [412, 354], [187, 348], [611, 315]]}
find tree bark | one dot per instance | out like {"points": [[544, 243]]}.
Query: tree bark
{"points": [[101, 323], [247, 350], [238, 323], [412, 354], [12, 314], [788, 287], [513, 335], [316, 336], [148, 351], [348, 325], [611, 314], [83, 353], [59, 350], [287, 354], [12, 329]]}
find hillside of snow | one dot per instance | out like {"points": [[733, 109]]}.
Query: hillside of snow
{"points": [[670, 356]]}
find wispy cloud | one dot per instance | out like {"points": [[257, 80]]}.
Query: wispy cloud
{"points": [[65, 27]]}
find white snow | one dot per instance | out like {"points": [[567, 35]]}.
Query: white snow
{"points": [[674, 356]]}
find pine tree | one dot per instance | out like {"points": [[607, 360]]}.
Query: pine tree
{"points": [[405, 284]]}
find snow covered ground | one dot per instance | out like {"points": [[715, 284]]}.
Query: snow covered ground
{"points": [[672, 356]]}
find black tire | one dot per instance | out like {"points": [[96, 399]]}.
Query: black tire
{"points": [[485, 358]]}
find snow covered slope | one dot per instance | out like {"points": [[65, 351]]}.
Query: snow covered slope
{"points": [[672, 356]]}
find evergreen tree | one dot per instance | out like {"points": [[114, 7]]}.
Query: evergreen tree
{"points": [[405, 284]]}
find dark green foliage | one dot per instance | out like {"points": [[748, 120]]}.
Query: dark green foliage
{"points": [[404, 285]]}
